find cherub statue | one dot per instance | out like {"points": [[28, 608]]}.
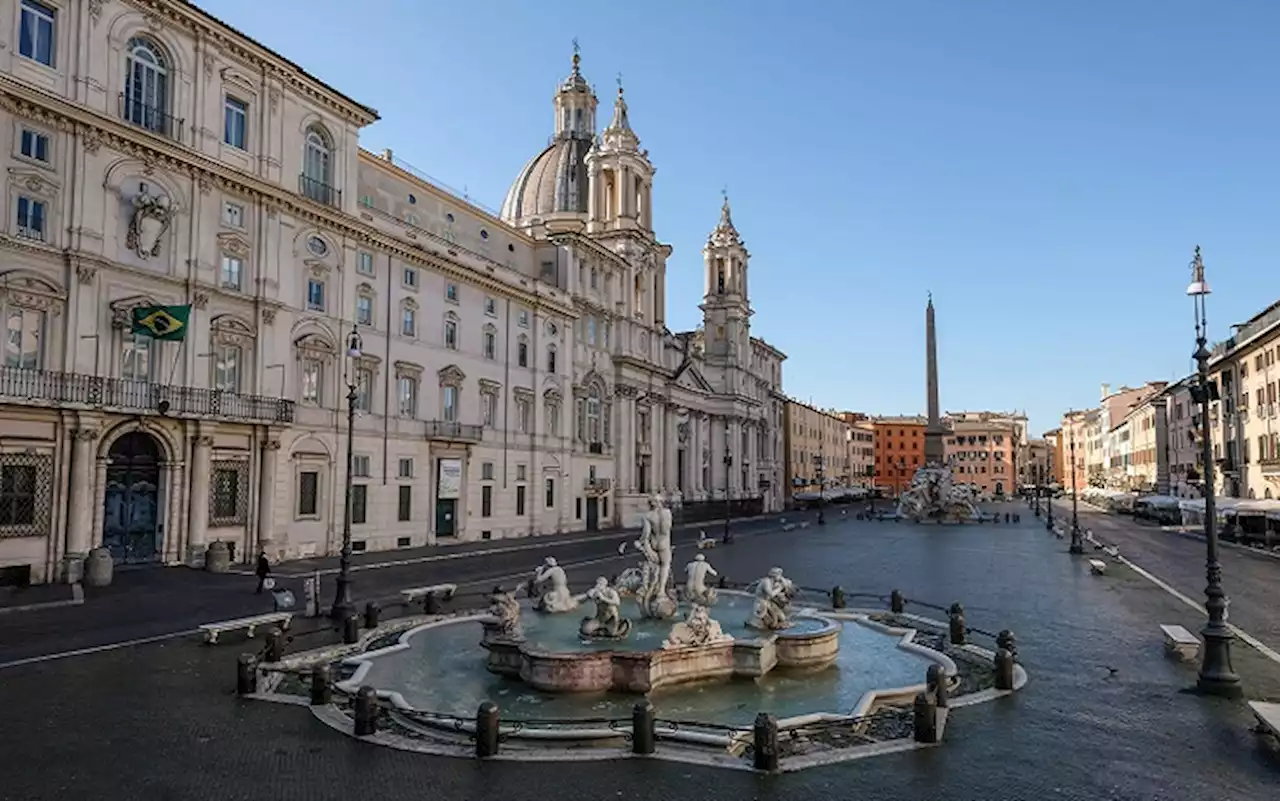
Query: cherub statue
{"points": [[772, 609], [695, 586], [608, 622], [552, 587]]}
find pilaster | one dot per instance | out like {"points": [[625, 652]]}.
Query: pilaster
{"points": [[267, 496], [80, 520], [198, 509]]}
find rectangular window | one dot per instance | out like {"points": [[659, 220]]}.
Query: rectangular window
{"points": [[411, 277], [232, 270], [364, 310], [364, 263], [315, 294], [312, 376], [235, 121], [522, 318], [522, 354], [450, 335], [449, 402], [364, 389], [366, 201], [523, 421], [577, 508], [35, 145], [18, 495], [409, 323], [551, 493], [135, 358], [553, 419], [522, 472], [227, 505], [359, 503], [451, 293], [405, 468], [486, 501], [490, 345], [226, 368], [360, 466], [24, 339], [520, 500], [407, 394], [488, 408], [404, 504], [551, 360], [35, 40], [31, 218], [491, 307], [309, 493], [232, 215], [486, 471]]}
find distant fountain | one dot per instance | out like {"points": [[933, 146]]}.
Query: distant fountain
{"points": [[933, 495]]}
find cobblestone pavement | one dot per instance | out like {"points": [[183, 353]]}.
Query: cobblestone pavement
{"points": [[1252, 579], [160, 721]]}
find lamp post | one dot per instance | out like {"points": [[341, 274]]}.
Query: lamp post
{"points": [[822, 483], [1077, 544], [1035, 474], [342, 605], [1216, 674], [728, 500], [1048, 499]]}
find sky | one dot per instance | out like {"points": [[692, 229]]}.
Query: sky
{"points": [[1044, 168]]}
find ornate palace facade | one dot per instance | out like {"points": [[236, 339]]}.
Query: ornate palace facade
{"points": [[512, 374]]}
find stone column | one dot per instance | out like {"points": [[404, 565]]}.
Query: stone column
{"points": [[173, 512], [753, 460], [99, 500], [627, 447], [267, 497], [715, 438], [80, 508], [198, 508], [673, 448]]}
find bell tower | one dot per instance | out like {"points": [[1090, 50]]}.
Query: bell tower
{"points": [[621, 176], [726, 305]]}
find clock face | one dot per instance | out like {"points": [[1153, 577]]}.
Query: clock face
{"points": [[317, 246]]}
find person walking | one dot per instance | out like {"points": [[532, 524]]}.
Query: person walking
{"points": [[263, 572]]}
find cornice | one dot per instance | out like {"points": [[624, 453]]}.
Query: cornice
{"points": [[97, 129]]}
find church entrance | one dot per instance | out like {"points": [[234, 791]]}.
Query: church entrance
{"points": [[131, 521]]}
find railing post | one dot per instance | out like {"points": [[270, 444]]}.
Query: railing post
{"points": [[765, 742], [925, 719], [1008, 642], [487, 730], [371, 613], [247, 674], [936, 679], [837, 597], [644, 736], [1004, 670], [275, 645], [366, 714], [896, 602], [321, 692], [724, 582], [351, 629], [955, 623]]}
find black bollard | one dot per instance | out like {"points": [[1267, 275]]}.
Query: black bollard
{"points": [[936, 679], [955, 625], [487, 730], [371, 614], [925, 719], [1008, 642], [247, 674], [275, 645], [837, 597], [1004, 670], [644, 737], [897, 603], [366, 712], [765, 743], [724, 583], [431, 604], [351, 629], [321, 690]]}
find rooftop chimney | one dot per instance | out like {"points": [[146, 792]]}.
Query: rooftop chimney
{"points": [[1106, 390], [386, 154]]}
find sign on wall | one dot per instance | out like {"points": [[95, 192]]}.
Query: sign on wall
{"points": [[449, 479]]}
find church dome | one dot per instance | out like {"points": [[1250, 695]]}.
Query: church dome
{"points": [[554, 181]]}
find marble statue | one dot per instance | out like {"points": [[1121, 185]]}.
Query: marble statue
{"points": [[608, 623], [695, 585], [650, 582], [551, 587], [151, 217], [933, 496], [696, 629], [773, 594], [506, 611]]}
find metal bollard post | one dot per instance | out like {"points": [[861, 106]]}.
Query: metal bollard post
{"points": [[247, 674], [431, 604], [1004, 670], [897, 603], [925, 719], [487, 730], [275, 645], [1008, 642], [366, 714], [644, 737], [724, 582], [765, 742], [955, 620], [837, 597], [936, 679], [321, 692], [351, 629], [371, 614]]}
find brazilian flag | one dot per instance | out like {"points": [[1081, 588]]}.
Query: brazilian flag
{"points": [[162, 322]]}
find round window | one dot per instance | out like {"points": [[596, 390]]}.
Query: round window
{"points": [[449, 216], [412, 200], [317, 246], [484, 234]]}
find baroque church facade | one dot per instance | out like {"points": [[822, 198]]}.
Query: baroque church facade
{"points": [[511, 373]]}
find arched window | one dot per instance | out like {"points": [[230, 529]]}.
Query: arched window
{"points": [[593, 414], [146, 87], [317, 167], [551, 359]]}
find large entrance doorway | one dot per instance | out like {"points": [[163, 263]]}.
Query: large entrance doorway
{"points": [[131, 520], [593, 514]]}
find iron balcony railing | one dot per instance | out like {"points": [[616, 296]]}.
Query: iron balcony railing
{"points": [[458, 432], [151, 117], [47, 387], [1270, 466], [319, 191]]}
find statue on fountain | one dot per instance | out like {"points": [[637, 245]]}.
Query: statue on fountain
{"points": [[506, 617], [773, 593], [696, 629], [650, 582], [933, 496], [608, 623], [551, 587], [695, 586]]}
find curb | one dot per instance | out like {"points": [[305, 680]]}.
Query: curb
{"points": [[77, 598]]}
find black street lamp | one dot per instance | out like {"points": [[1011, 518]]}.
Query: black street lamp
{"points": [[1035, 474], [1077, 544], [342, 605], [1216, 674], [822, 483], [1048, 500], [728, 500]]}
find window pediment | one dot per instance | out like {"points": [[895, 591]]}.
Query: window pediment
{"points": [[409, 303], [227, 329], [233, 244], [234, 78], [366, 289], [523, 394], [33, 183], [452, 375], [490, 387], [552, 395], [317, 268], [408, 370], [122, 309], [314, 346]]}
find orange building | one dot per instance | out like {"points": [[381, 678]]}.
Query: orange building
{"points": [[899, 449]]}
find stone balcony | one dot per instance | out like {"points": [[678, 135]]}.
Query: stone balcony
{"points": [[1270, 467], [51, 389], [449, 431]]}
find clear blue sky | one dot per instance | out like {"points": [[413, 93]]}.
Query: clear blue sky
{"points": [[1044, 167]]}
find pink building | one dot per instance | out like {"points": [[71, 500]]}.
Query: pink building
{"points": [[982, 449]]}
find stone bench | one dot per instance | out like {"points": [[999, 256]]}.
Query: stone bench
{"points": [[1178, 640], [1268, 716], [249, 624], [1097, 567], [427, 593]]}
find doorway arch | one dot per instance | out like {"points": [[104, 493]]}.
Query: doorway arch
{"points": [[131, 528]]}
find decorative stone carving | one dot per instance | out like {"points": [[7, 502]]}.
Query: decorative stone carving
{"points": [[85, 273], [933, 496], [551, 587], [152, 215], [695, 630], [506, 612], [208, 64], [773, 593], [233, 245], [682, 432], [200, 300], [95, 10], [451, 375], [608, 623], [268, 315], [227, 330], [695, 585]]}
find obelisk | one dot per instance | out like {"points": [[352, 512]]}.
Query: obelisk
{"points": [[933, 432]]}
